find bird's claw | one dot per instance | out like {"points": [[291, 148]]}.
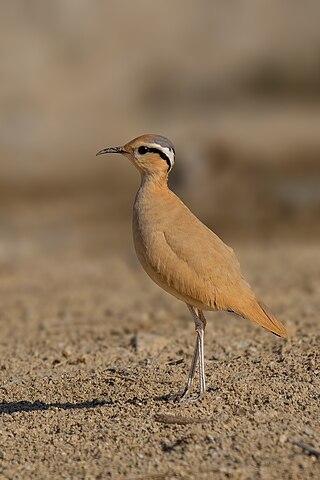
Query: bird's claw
{"points": [[185, 398]]}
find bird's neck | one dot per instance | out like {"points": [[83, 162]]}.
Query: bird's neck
{"points": [[151, 187], [157, 180]]}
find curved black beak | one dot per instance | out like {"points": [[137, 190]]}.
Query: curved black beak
{"points": [[111, 150]]}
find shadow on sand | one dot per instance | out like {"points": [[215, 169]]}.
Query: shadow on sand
{"points": [[26, 406]]}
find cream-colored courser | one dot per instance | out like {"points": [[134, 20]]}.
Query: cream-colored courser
{"points": [[181, 254]]}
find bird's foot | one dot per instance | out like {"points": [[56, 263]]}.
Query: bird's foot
{"points": [[182, 397], [186, 398]]}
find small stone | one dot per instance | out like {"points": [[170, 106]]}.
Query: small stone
{"points": [[67, 352], [282, 439]]}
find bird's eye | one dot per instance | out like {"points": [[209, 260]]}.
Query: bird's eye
{"points": [[142, 150]]}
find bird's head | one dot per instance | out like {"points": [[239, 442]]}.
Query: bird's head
{"points": [[151, 154]]}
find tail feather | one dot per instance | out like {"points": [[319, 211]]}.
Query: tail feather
{"points": [[260, 314], [276, 326]]}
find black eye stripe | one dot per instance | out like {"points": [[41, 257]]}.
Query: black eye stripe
{"points": [[142, 150]]}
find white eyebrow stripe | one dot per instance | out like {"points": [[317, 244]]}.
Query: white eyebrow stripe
{"points": [[166, 150]]}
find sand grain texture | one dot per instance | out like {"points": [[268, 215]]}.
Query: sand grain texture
{"points": [[90, 349]]}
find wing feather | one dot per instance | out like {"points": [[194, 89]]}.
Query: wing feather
{"points": [[194, 261]]}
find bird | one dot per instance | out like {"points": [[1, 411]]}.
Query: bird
{"points": [[182, 255]]}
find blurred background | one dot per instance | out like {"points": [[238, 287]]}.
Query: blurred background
{"points": [[235, 86]]}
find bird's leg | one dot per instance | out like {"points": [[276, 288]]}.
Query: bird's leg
{"points": [[201, 354], [192, 370], [200, 325]]}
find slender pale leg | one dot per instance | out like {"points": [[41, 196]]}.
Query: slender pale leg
{"points": [[191, 371], [200, 325]]}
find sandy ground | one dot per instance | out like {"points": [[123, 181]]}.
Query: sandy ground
{"points": [[90, 350]]}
